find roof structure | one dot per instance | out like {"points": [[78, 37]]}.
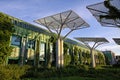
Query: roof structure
{"points": [[117, 40], [91, 39], [68, 21], [96, 43], [107, 16], [61, 21]]}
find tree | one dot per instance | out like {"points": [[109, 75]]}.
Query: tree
{"points": [[6, 30]]}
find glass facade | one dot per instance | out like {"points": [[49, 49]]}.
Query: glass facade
{"points": [[30, 55]]}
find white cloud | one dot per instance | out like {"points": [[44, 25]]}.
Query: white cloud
{"points": [[115, 49], [109, 47]]}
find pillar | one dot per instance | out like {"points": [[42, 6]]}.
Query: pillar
{"points": [[47, 52], [61, 53], [92, 58], [37, 51], [22, 50], [58, 53]]}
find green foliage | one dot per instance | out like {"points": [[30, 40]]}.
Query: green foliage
{"points": [[65, 48], [63, 78], [67, 59], [86, 57], [101, 58], [6, 30], [69, 70], [101, 73], [53, 38], [75, 55], [67, 56], [12, 72], [116, 65], [104, 73]]}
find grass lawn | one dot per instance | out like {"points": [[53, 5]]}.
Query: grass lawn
{"points": [[73, 78], [65, 78]]}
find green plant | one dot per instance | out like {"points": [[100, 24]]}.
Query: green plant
{"points": [[67, 56], [75, 55], [12, 72], [6, 30], [67, 59]]}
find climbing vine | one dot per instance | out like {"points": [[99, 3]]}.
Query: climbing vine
{"points": [[6, 30]]}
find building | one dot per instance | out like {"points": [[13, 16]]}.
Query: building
{"points": [[110, 57], [31, 43]]}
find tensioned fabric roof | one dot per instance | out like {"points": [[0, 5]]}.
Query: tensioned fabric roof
{"points": [[99, 9], [60, 21], [91, 39], [117, 40]]}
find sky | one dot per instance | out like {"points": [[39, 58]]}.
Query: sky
{"points": [[30, 10]]}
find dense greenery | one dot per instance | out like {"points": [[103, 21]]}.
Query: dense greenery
{"points": [[99, 73], [12, 72], [67, 57], [70, 72], [6, 30], [75, 55], [64, 78]]}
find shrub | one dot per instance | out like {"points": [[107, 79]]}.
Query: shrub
{"points": [[67, 59], [116, 65], [12, 72]]}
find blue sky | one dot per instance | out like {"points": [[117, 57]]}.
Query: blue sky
{"points": [[29, 10]]}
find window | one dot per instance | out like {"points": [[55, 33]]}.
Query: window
{"points": [[15, 53], [42, 52], [15, 40], [15, 22], [51, 48], [31, 44]]}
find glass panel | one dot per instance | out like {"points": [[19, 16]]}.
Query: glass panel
{"points": [[15, 40], [30, 55], [51, 48], [51, 52], [31, 44], [42, 52], [15, 52]]}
